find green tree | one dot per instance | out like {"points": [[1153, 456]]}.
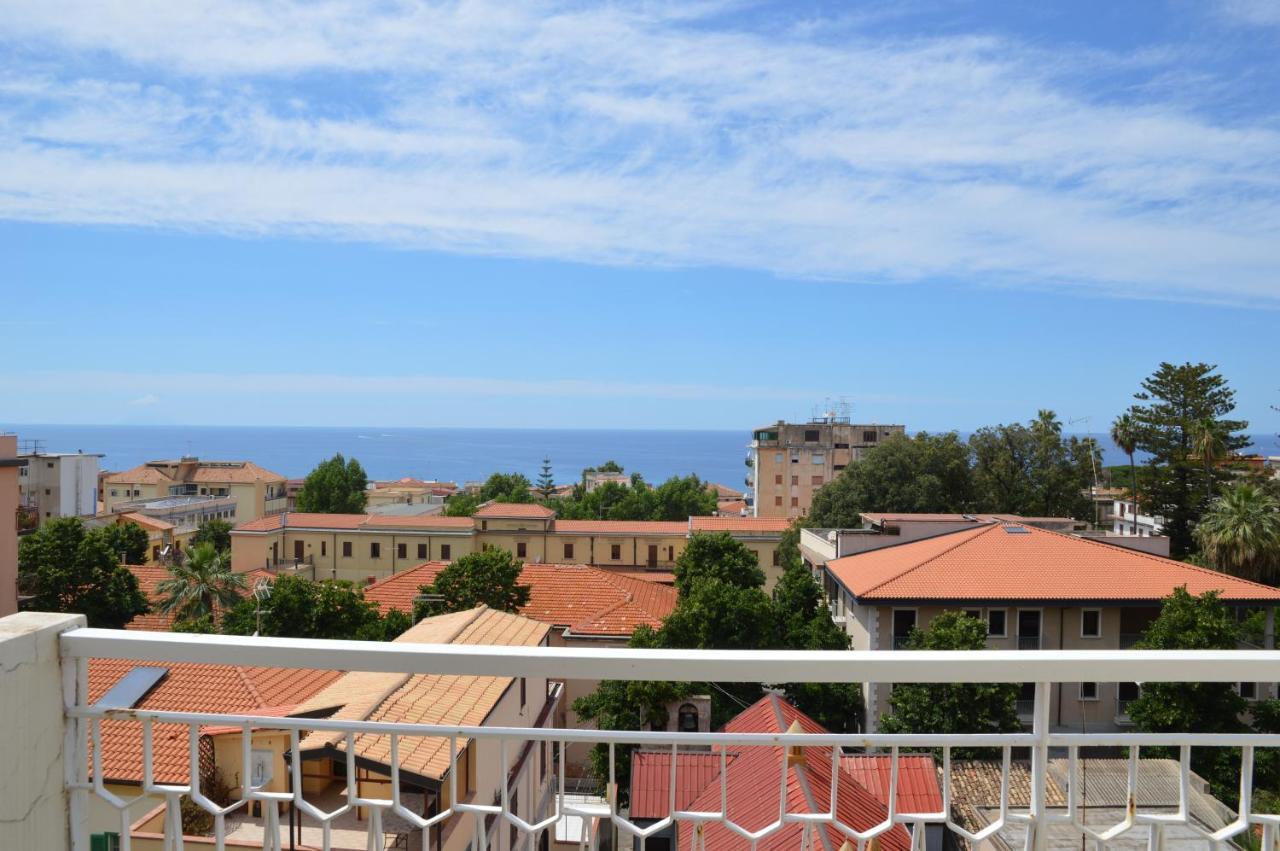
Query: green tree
{"points": [[128, 541], [66, 568], [300, 608], [1240, 533], [952, 707], [682, 497], [490, 578], [927, 472], [214, 531], [1124, 434], [201, 586], [546, 481], [716, 556], [1175, 402], [678, 498], [1032, 469], [461, 504], [335, 486], [1208, 446]]}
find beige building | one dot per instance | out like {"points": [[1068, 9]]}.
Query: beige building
{"points": [[257, 492], [790, 461], [59, 484], [1035, 589], [367, 547], [10, 465]]}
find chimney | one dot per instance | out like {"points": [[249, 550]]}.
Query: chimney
{"points": [[795, 753]]}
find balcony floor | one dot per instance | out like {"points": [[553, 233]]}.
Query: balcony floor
{"points": [[348, 833]]}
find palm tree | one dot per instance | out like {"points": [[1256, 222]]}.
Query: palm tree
{"points": [[1124, 434], [201, 585], [1208, 445], [1240, 533]]}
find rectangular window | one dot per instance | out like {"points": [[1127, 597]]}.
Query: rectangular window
{"points": [[1249, 691], [976, 614], [777, 558], [422, 551], [818, 458], [795, 480], [568, 550], [375, 550], [113, 493], [842, 446], [615, 551], [868, 437], [324, 548], [777, 500], [346, 549], [995, 623], [904, 620], [1088, 691], [795, 456], [402, 550], [522, 549], [444, 551], [815, 480], [777, 480], [777, 457], [812, 435], [1090, 623]]}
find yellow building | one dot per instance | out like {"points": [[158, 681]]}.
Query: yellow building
{"points": [[9, 467], [364, 547], [257, 492]]}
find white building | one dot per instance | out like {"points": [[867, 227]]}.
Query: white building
{"points": [[59, 484]]}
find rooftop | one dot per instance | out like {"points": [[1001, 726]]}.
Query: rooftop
{"points": [[515, 510]]}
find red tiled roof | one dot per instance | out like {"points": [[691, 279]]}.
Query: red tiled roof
{"points": [[748, 525], [622, 527], [651, 780], [918, 790], [147, 522], [151, 575], [991, 563], [587, 600], [428, 521], [731, 508], [909, 517], [754, 777], [191, 688], [514, 509], [724, 491]]}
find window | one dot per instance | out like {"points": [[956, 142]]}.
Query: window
{"points": [[1088, 691], [777, 480], [113, 493], [484, 525], [687, 718], [976, 614], [868, 437], [444, 551], [795, 480], [795, 501], [995, 623], [777, 500], [523, 692], [818, 458], [777, 559], [1091, 623], [402, 550], [346, 549], [842, 446], [811, 435], [615, 551], [324, 548], [568, 550], [375, 550], [839, 467], [522, 549], [777, 457], [1249, 691], [422, 551], [795, 456], [904, 620], [815, 480]]}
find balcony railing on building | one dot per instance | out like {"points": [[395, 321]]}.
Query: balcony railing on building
{"points": [[601, 820]]}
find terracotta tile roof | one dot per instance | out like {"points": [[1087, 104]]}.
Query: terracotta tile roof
{"points": [[918, 789], [139, 475], [745, 525], [908, 517], [192, 688], [651, 780], [754, 777], [724, 491], [621, 527], [662, 577], [1021, 562], [305, 520], [514, 509], [151, 575], [587, 600], [148, 522], [430, 521], [731, 508], [425, 698], [247, 472]]}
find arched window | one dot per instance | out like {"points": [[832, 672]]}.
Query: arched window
{"points": [[687, 718]]}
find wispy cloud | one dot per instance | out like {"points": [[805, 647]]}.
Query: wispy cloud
{"points": [[145, 401], [652, 135]]}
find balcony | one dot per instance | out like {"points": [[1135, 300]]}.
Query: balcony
{"points": [[1028, 642], [56, 736], [275, 505]]}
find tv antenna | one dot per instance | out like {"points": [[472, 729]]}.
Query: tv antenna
{"points": [[261, 594]]}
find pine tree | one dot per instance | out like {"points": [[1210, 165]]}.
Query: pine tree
{"points": [[546, 483]]}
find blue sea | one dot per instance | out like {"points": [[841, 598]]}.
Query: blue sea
{"points": [[451, 454]]}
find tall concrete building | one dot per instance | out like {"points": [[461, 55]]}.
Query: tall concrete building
{"points": [[790, 461], [59, 484], [10, 464]]}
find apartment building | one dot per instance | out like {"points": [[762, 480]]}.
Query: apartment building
{"points": [[1036, 590], [367, 547], [59, 484], [10, 467], [789, 461], [257, 492]]}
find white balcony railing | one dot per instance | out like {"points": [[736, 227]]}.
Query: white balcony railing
{"points": [[488, 822]]}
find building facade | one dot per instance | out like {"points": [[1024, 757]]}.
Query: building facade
{"points": [[10, 467], [59, 484], [790, 461], [257, 492]]}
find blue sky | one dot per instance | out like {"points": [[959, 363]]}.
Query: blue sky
{"points": [[699, 215]]}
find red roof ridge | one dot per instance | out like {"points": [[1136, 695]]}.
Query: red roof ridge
{"points": [[248, 684], [969, 534]]}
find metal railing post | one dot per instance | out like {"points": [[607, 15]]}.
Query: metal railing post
{"points": [[1038, 829]]}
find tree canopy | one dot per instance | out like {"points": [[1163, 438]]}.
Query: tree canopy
{"points": [[1240, 533], [1033, 470], [678, 498], [215, 531], [301, 608], [201, 585], [546, 481], [952, 707], [67, 568], [499, 487], [335, 486], [490, 577], [128, 541], [1177, 404]]}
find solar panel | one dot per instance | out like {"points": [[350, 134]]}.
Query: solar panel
{"points": [[132, 687], [1016, 530]]}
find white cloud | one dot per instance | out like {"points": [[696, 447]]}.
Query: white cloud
{"points": [[146, 401], [648, 135]]}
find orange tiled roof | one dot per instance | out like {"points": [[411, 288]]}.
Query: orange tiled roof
{"points": [[305, 520], [724, 491], [429, 521], [921, 517], [991, 563], [585, 599], [139, 475], [148, 522], [245, 473], [514, 509], [622, 527], [192, 688], [425, 698], [731, 508], [745, 525]]}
